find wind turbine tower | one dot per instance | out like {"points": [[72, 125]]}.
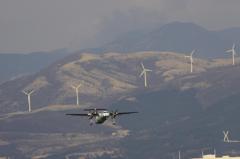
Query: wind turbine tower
{"points": [[191, 59], [144, 73], [232, 50], [29, 99], [76, 88]]}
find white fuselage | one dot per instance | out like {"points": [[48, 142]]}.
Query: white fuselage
{"points": [[101, 117]]}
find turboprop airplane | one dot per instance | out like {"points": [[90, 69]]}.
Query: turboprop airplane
{"points": [[101, 115]]}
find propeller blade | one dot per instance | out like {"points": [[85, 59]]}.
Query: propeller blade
{"points": [[113, 116], [91, 116]]}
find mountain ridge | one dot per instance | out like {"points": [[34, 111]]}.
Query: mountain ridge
{"points": [[182, 37]]}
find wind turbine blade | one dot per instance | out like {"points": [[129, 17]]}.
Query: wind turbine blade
{"points": [[142, 65], [192, 52], [187, 56], [142, 73], [31, 92], [229, 50], [79, 86], [148, 70], [24, 92]]}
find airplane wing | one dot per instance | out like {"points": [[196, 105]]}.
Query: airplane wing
{"points": [[122, 113], [94, 109], [78, 114]]}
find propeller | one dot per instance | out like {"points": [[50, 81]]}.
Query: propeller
{"points": [[113, 116], [91, 114]]}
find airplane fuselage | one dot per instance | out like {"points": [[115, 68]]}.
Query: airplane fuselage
{"points": [[100, 120], [102, 117]]}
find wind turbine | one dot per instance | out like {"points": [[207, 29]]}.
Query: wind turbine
{"points": [[226, 138], [233, 53], [144, 72], [29, 99], [191, 59], [76, 88]]}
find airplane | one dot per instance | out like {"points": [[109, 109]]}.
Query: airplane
{"points": [[101, 115], [226, 138]]}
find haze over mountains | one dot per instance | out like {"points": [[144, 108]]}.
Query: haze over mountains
{"points": [[15, 65], [178, 111], [177, 37]]}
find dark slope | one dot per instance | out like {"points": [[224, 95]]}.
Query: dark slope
{"points": [[170, 121]]}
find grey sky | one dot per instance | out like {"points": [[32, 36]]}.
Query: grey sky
{"points": [[45, 25]]}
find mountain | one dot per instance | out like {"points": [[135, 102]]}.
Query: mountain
{"points": [[231, 33], [176, 37], [173, 121], [178, 111], [15, 65], [103, 76]]}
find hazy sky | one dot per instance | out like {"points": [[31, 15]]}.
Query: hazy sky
{"points": [[45, 25]]}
